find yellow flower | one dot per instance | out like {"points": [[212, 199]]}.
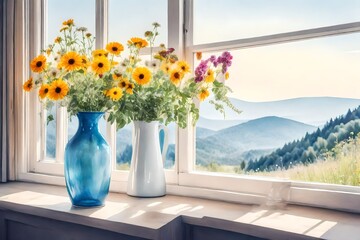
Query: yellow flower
{"points": [[99, 53], [58, 89], [69, 22], [199, 55], [142, 75], [38, 64], [203, 94], [114, 48], [184, 66], [88, 35], [209, 77], [117, 76], [115, 93], [123, 83], [43, 91], [58, 40], [138, 42], [129, 88], [227, 75], [48, 51], [71, 61], [64, 28], [100, 65], [85, 62], [129, 69], [113, 63], [176, 76], [28, 85], [165, 67]]}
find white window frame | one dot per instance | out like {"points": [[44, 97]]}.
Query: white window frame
{"points": [[183, 180]]}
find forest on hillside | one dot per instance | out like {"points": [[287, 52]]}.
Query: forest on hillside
{"points": [[312, 146]]}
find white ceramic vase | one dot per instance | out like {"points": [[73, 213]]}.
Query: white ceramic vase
{"points": [[146, 176]]}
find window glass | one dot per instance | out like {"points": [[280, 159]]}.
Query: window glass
{"points": [[132, 18], [82, 11], [301, 116], [233, 19], [51, 133]]}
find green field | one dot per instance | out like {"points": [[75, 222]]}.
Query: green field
{"points": [[339, 166]]}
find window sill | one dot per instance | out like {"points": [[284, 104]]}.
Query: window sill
{"points": [[148, 217]]}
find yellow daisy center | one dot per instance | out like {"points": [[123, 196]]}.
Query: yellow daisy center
{"points": [[58, 90]]}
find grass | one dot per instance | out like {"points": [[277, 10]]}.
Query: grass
{"points": [[340, 166]]}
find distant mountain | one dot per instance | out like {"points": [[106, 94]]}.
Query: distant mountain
{"points": [[217, 124], [310, 110], [227, 146], [312, 146], [204, 132]]}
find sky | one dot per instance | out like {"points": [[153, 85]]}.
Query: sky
{"points": [[327, 66]]}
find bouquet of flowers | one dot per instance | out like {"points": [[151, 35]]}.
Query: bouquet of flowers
{"points": [[162, 88], [74, 75]]}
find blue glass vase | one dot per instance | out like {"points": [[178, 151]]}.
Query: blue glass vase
{"points": [[87, 163]]}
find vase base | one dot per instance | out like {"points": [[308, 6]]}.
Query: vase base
{"points": [[88, 204], [141, 196]]}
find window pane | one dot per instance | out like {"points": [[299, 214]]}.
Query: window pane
{"points": [[171, 151], [233, 19], [82, 11], [287, 92], [132, 18], [124, 147], [51, 133]]}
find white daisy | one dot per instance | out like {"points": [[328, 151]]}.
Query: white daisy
{"points": [[153, 64], [54, 72]]}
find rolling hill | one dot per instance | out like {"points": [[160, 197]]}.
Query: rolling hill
{"points": [[313, 146], [233, 145], [310, 110]]}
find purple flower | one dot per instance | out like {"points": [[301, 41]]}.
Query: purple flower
{"points": [[224, 69], [226, 60], [199, 79], [201, 70], [170, 50]]}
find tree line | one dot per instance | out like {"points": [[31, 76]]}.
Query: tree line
{"points": [[312, 146]]}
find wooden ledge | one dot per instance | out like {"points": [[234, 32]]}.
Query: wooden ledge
{"points": [[152, 217]]}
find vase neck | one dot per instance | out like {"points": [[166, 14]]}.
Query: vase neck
{"points": [[89, 120]]}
